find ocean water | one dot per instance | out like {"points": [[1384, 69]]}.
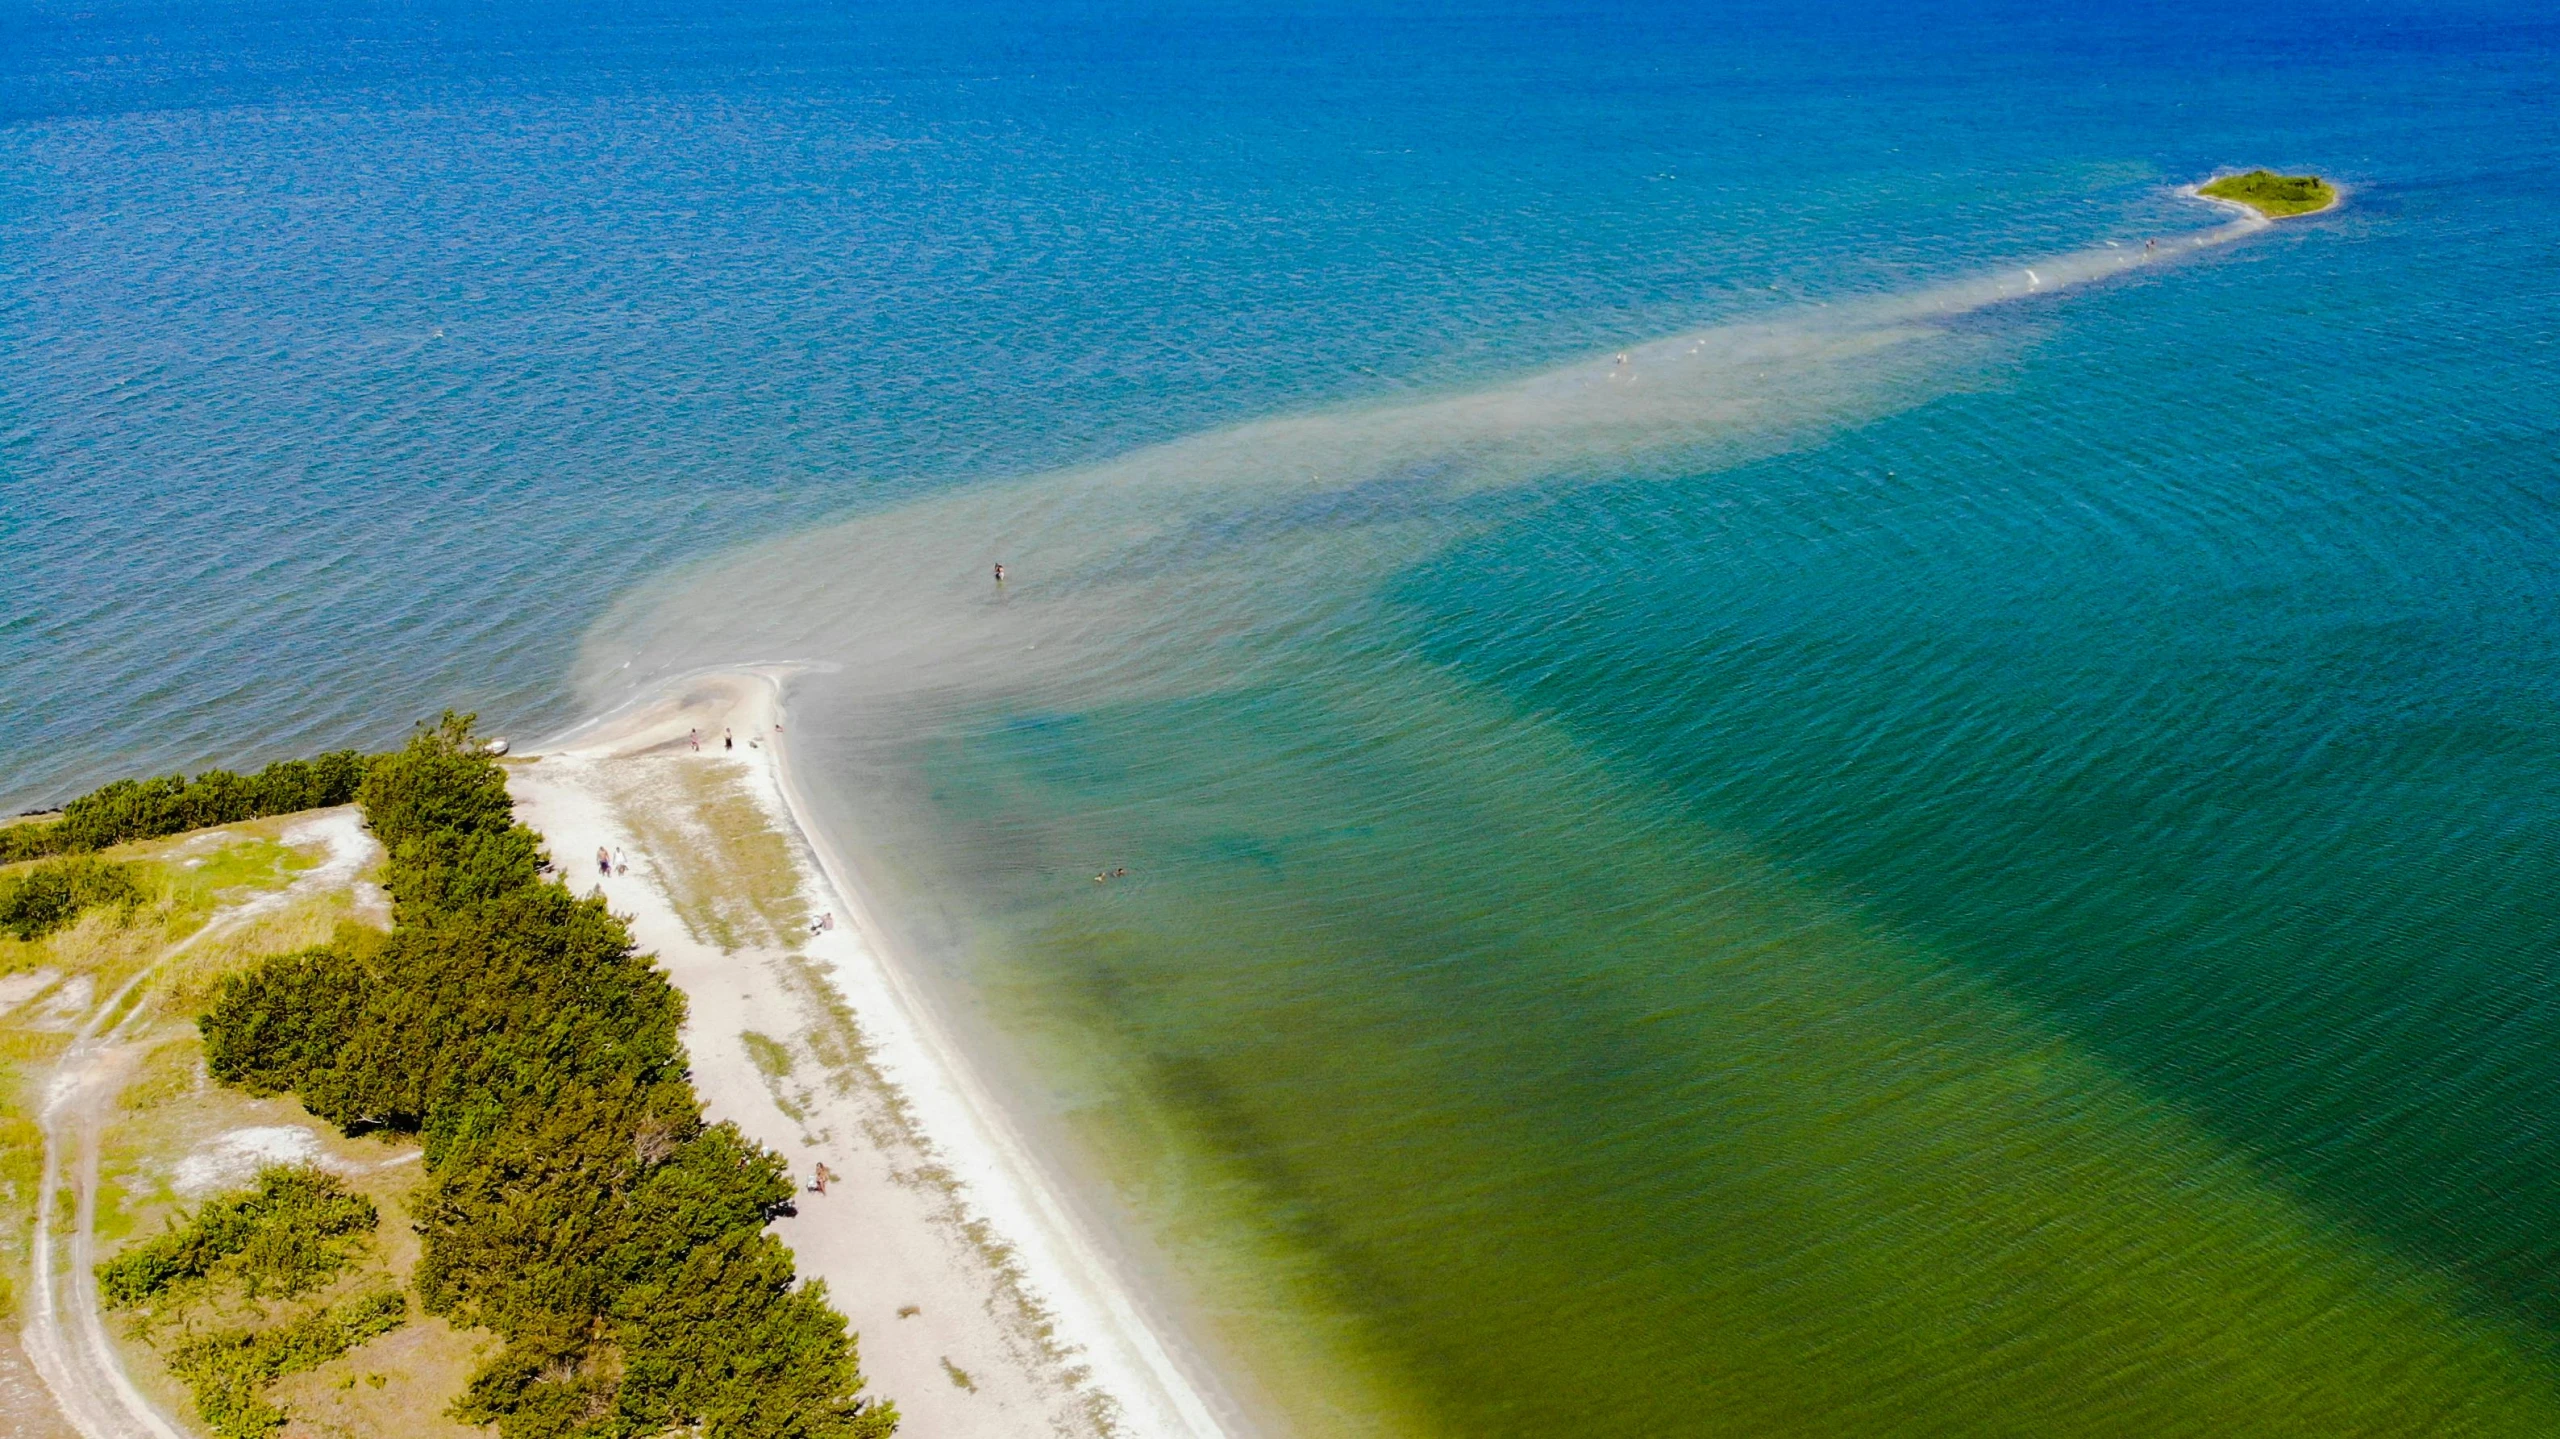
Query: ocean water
{"points": [[1742, 816]]}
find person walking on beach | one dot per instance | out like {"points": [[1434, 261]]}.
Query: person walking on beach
{"points": [[728, 740], [819, 1181], [694, 737], [604, 861], [619, 866]]}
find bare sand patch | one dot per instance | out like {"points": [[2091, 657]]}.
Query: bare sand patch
{"points": [[980, 1309]]}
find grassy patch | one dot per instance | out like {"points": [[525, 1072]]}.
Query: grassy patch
{"points": [[183, 884], [177, 886], [726, 868], [293, 1230], [2272, 195], [146, 1153], [770, 1055], [399, 1384], [773, 1060], [231, 1370], [237, 1294]]}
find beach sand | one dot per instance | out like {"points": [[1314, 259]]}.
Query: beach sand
{"points": [[980, 1306]]}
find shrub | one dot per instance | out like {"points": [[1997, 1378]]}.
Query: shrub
{"points": [[146, 809], [48, 897], [287, 1234], [229, 1371]]}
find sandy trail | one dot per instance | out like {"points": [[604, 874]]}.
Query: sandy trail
{"points": [[65, 1334], [980, 1308]]}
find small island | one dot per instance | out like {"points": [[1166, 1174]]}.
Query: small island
{"points": [[2275, 196]]}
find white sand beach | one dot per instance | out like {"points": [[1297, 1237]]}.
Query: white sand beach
{"points": [[981, 1308]]}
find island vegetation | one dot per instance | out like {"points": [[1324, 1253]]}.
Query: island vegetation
{"points": [[248, 1281], [574, 1203], [131, 809], [43, 898], [2272, 195]]}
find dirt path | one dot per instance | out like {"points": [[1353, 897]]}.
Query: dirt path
{"points": [[66, 1335]]}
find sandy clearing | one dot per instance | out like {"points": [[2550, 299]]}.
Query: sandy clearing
{"points": [[230, 1160], [17, 989]]}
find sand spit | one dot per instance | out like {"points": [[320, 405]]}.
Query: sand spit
{"points": [[980, 1309]]}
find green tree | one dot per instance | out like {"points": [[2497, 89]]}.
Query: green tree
{"points": [[576, 1204]]}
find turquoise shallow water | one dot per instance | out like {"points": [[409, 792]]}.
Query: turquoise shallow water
{"points": [[1916, 858]]}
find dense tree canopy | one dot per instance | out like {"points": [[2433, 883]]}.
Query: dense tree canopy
{"points": [[576, 1202]]}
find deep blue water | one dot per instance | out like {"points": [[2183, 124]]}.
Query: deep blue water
{"points": [[357, 356], [2018, 895]]}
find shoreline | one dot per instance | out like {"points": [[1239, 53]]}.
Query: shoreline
{"points": [[867, 600], [1009, 1317]]}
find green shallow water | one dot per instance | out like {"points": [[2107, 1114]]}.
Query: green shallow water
{"points": [[1912, 869], [1435, 1052], [1962, 843]]}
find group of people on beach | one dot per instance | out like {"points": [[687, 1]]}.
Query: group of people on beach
{"points": [[728, 738], [610, 862]]}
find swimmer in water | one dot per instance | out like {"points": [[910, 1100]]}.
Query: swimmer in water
{"points": [[999, 574]]}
